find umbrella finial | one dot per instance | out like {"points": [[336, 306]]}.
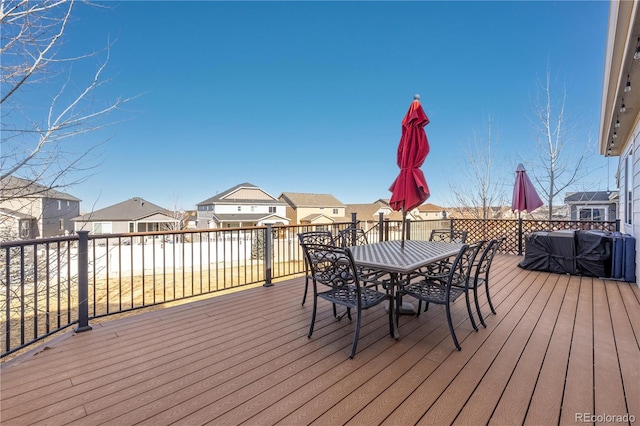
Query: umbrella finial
{"points": [[416, 97]]}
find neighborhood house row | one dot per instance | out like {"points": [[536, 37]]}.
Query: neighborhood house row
{"points": [[44, 212]]}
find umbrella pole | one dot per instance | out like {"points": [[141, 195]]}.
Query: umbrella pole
{"points": [[519, 234], [403, 228]]}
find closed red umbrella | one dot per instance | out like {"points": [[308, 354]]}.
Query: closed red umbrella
{"points": [[410, 189], [525, 198]]}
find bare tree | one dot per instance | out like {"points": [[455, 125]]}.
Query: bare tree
{"points": [[46, 113], [560, 163], [46, 109], [476, 192]]}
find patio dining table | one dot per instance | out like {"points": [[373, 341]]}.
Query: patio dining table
{"points": [[391, 257]]}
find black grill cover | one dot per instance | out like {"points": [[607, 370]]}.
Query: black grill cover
{"points": [[593, 253], [550, 252]]}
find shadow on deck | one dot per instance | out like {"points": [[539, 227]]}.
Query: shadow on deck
{"points": [[560, 349]]}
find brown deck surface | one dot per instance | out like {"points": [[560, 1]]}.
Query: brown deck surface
{"points": [[561, 348]]}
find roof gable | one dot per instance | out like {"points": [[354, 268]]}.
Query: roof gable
{"points": [[430, 208], [15, 187], [297, 199], [133, 209], [242, 193], [588, 197]]}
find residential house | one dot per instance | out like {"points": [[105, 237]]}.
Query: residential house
{"points": [[241, 206], [15, 225], [190, 219], [371, 212], [491, 212], [430, 211], [133, 215], [31, 210], [592, 205], [313, 209], [620, 111]]}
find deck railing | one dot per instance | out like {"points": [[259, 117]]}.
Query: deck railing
{"points": [[50, 284]]}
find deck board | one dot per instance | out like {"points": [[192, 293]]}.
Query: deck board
{"points": [[558, 346]]}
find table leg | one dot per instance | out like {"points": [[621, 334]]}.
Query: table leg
{"points": [[393, 325]]}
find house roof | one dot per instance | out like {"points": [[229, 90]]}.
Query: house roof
{"points": [[133, 209], [367, 211], [15, 214], [15, 187], [430, 208], [246, 193], [588, 197], [314, 218], [297, 199]]}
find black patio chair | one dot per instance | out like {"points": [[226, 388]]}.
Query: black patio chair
{"points": [[445, 292], [313, 237], [481, 274], [448, 235], [440, 269], [335, 278], [349, 237]]}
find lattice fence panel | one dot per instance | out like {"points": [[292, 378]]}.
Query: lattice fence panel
{"points": [[479, 229]]}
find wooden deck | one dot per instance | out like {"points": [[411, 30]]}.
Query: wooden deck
{"points": [[560, 349]]}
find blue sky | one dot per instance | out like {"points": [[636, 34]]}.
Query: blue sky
{"points": [[309, 96]]}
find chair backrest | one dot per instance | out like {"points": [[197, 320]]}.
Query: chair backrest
{"points": [[462, 265], [351, 237], [316, 237], [484, 263], [331, 265], [448, 235]]}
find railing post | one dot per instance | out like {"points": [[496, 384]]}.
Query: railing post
{"points": [[83, 282], [386, 230], [519, 236], [380, 226], [267, 256], [354, 223]]}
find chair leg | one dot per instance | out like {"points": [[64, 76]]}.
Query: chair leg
{"points": [[306, 287], [451, 330], [486, 290], [339, 317], [313, 317], [475, 297], [356, 335], [473, 321]]}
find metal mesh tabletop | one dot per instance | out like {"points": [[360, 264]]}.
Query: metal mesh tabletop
{"points": [[390, 256]]}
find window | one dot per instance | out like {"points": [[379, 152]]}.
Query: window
{"points": [[253, 209], [102, 227], [239, 208], [25, 228], [592, 213], [61, 224], [59, 205], [272, 209], [335, 211]]}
